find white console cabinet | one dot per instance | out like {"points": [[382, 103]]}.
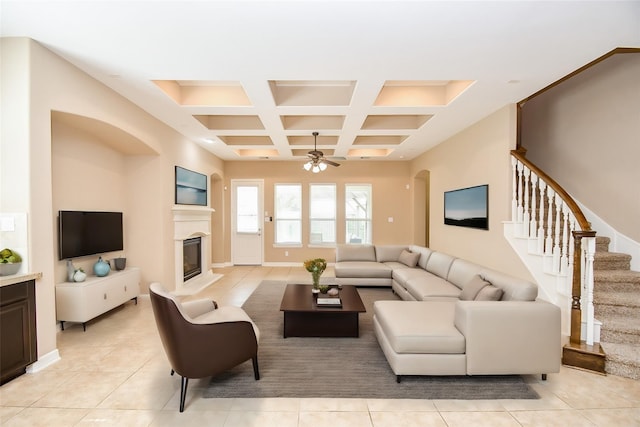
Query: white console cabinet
{"points": [[81, 302]]}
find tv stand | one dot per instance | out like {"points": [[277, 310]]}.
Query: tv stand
{"points": [[83, 301]]}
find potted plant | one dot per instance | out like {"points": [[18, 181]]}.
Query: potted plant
{"points": [[10, 262], [316, 267]]}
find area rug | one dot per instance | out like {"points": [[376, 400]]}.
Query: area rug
{"points": [[341, 367]]}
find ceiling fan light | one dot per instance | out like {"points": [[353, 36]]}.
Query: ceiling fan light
{"points": [[322, 166], [315, 169], [307, 166]]}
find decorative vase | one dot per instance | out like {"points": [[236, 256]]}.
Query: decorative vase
{"points": [[70, 271], [101, 268], [79, 276], [315, 276]]}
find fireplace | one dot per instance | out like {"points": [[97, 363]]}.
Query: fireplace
{"points": [[192, 257], [192, 249]]}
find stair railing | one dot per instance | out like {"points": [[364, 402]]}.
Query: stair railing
{"points": [[549, 217]]}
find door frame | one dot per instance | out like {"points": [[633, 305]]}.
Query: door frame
{"points": [[234, 184]]}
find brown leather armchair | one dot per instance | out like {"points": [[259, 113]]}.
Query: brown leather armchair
{"points": [[202, 339]]}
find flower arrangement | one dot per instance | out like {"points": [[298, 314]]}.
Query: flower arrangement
{"points": [[316, 267]]}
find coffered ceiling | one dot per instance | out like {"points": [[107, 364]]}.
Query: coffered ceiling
{"points": [[385, 80]]}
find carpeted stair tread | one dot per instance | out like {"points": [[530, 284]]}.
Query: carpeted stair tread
{"points": [[602, 244], [622, 359], [611, 261], [620, 329], [621, 298], [616, 276]]}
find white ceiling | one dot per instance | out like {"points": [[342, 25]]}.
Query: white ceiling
{"points": [[389, 79]]}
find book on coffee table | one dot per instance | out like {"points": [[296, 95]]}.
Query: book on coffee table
{"points": [[329, 302]]}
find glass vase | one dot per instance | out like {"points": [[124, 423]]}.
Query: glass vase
{"points": [[315, 276]]}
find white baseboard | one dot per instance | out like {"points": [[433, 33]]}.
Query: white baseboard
{"points": [[44, 362], [221, 264]]}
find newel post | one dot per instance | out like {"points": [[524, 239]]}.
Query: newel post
{"points": [[576, 290]]}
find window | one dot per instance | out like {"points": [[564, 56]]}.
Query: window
{"points": [[247, 219], [288, 214], [358, 213], [322, 214]]}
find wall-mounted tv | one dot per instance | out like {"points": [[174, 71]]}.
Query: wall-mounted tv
{"points": [[191, 187], [82, 233], [467, 207]]}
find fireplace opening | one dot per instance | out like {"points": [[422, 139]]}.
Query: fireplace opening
{"points": [[192, 257]]}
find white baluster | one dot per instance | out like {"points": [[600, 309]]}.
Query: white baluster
{"points": [[565, 239], [556, 240], [548, 243], [519, 217], [589, 245], [543, 186], [514, 189], [526, 215], [533, 225]]}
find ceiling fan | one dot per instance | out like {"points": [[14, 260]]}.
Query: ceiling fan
{"points": [[317, 162]]}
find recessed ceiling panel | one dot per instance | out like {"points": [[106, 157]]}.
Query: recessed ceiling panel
{"points": [[300, 152], [312, 122], [224, 122], [302, 93], [246, 140], [420, 93], [257, 153], [308, 140], [408, 121], [205, 93], [379, 139], [369, 152]]}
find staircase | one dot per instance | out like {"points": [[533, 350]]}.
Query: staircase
{"points": [[616, 300]]}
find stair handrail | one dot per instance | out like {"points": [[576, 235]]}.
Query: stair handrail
{"points": [[584, 244], [573, 206]]}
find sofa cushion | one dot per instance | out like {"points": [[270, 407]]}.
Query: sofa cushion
{"points": [[403, 275], [489, 293], [420, 327], [514, 289], [410, 259], [439, 264], [471, 289], [386, 253], [432, 288], [355, 253], [424, 252], [462, 271], [362, 269]]}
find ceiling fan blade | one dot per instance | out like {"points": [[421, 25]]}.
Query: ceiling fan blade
{"points": [[329, 162]]}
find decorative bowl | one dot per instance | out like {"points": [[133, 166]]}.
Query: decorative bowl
{"points": [[7, 269]]}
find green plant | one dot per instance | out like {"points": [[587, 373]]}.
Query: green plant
{"points": [[7, 256]]}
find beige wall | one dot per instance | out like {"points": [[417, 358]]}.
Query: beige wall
{"points": [[584, 133], [391, 198], [478, 155], [41, 83]]}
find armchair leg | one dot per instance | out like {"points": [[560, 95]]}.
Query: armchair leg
{"points": [[183, 392], [256, 371]]}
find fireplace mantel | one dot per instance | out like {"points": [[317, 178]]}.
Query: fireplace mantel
{"points": [[188, 222]]}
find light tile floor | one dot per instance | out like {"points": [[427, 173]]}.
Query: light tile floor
{"points": [[116, 373]]}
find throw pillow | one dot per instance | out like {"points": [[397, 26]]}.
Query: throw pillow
{"points": [[489, 293], [471, 289], [410, 259]]}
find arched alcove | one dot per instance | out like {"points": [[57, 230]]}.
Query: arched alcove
{"points": [[421, 208]]}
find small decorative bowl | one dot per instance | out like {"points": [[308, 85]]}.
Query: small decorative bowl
{"points": [[7, 269], [333, 292], [324, 289]]}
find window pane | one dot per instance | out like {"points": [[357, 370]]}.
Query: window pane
{"points": [[322, 212], [247, 209], [358, 213], [288, 213]]}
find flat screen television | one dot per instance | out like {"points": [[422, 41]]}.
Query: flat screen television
{"points": [[82, 233], [467, 207]]}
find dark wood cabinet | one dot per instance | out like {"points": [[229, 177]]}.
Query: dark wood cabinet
{"points": [[18, 343]]}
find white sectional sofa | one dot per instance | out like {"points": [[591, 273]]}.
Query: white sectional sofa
{"points": [[457, 317]]}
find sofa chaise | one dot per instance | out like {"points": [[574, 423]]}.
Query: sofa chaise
{"points": [[455, 317]]}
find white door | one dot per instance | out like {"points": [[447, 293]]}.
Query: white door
{"points": [[246, 226]]}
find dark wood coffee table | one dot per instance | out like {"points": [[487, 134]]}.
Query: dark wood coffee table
{"points": [[304, 318]]}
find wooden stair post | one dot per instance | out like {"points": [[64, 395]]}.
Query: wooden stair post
{"points": [[578, 353]]}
